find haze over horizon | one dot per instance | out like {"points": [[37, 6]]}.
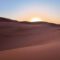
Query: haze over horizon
{"points": [[24, 10]]}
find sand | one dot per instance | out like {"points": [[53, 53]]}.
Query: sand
{"points": [[25, 41]]}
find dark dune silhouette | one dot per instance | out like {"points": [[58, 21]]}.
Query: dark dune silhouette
{"points": [[6, 20], [29, 41]]}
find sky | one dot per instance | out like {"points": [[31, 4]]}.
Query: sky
{"points": [[24, 10]]}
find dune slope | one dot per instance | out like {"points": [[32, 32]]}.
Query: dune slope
{"points": [[29, 41]]}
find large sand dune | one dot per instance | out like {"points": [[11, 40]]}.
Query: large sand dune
{"points": [[29, 41]]}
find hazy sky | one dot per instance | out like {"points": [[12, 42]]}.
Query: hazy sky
{"points": [[48, 10]]}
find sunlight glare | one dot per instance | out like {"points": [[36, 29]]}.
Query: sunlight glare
{"points": [[36, 20]]}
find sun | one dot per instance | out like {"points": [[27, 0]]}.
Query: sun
{"points": [[36, 19]]}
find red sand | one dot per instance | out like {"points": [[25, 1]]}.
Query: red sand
{"points": [[21, 41], [49, 51]]}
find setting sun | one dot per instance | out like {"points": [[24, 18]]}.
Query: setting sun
{"points": [[36, 20]]}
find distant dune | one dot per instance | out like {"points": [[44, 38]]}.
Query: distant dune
{"points": [[29, 41], [6, 20]]}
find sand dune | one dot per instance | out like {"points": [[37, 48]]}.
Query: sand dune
{"points": [[29, 41], [49, 51]]}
